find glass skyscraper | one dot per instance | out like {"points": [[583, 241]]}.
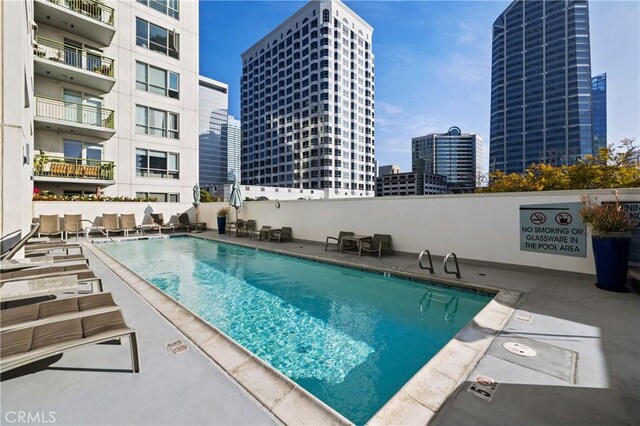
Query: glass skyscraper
{"points": [[213, 104], [455, 155], [599, 111], [540, 85], [233, 133]]}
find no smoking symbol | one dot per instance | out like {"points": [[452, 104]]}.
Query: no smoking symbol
{"points": [[538, 218], [563, 219]]}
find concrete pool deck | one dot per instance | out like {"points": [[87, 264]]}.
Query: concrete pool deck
{"points": [[586, 371]]}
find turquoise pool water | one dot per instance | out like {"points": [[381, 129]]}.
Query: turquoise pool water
{"points": [[349, 337]]}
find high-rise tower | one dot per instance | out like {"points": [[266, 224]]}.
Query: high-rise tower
{"points": [[540, 85], [308, 103]]}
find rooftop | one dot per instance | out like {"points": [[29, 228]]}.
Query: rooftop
{"points": [[585, 372]]}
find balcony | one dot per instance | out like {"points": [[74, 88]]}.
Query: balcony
{"points": [[64, 62], [86, 18], [73, 170], [68, 117]]}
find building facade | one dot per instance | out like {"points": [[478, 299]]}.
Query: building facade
{"points": [[599, 111], [391, 169], [455, 155], [124, 127], [213, 100], [234, 141], [540, 85], [410, 183], [308, 103]]}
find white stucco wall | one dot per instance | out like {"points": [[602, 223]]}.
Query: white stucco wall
{"points": [[475, 226]]}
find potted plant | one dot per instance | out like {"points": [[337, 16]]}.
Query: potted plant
{"points": [[611, 239], [222, 219]]}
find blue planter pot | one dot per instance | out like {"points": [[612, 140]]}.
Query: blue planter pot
{"points": [[222, 223], [611, 253]]}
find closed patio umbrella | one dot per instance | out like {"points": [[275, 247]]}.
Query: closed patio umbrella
{"points": [[235, 199], [196, 195]]}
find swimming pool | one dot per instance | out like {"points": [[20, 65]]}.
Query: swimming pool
{"points": [[349, 337]]}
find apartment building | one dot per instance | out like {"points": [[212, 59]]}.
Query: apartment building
{"points": [[308, 103], [115, 84]]}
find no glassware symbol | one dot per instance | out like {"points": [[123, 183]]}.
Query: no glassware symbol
{"points": [[563, 219], [538, 218]]}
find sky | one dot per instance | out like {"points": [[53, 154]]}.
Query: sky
{"points": [[432, 62]]}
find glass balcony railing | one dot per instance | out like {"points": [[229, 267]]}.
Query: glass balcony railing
{"points": [[73, 168], [90, 8], [71, 55], [74, 112]]}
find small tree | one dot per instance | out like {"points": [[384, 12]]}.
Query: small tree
{"points": [[606, 169]]}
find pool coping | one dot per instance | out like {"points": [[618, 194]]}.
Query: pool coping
{"points": [[416, 402]]}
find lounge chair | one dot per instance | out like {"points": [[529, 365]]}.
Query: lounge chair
{"points": [[110, 224], [81, 271], [237, 227], [49, 225], [35, 249], [55, 310], [22, 346], [72, 224], [261, 233], [128, 224], [158, 220], [249, 228], [378, 244], [282, 234], [338, 240]]}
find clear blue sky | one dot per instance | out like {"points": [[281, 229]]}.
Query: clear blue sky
{"points": [[432, 62]]}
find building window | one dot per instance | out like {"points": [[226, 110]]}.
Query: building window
{"points": [[158, 39], [157, 164], [76, 150], [168, 7], [157, 80], [161, 197], [156, 122], [326, 15]]}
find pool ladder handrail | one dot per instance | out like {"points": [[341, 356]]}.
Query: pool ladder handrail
{"points": [[455, 259], [430, 267], [93, 227]]}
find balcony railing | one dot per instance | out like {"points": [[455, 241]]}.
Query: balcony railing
{"points": [[89, 8], [71, 55], [74, 112], [74, 168]]}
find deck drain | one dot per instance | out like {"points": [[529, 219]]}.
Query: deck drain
{"points": [[519, 349]]}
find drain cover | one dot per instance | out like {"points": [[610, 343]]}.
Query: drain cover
{"points": [[519, 349]]}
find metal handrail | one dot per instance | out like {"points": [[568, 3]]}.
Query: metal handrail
{"points": [[430, 267], [455, 258], [74, 112], [70, 55], [78, 168], [89, 8]]}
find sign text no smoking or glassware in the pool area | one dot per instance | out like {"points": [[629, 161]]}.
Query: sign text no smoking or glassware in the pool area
{"points": [[553, 229]]}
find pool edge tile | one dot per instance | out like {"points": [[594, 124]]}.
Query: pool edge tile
{"points": [[262, 382], [299, 407], [402, 410]]}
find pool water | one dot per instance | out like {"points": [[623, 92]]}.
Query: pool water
{"points": [[349, 337]]}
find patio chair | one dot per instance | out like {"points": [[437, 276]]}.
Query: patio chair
{"points": [[158, 220], [238, 227], [185, 222], [22, 346], [49, 225], [378, 244], [81, 271], [72, 224], [278, 235], [338, 240], [249, 228], [261, 233], [128, 224], [56, 310], [110, 224]]}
